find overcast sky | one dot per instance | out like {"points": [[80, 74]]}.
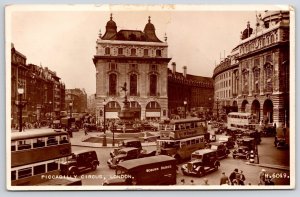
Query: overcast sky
{"points": [[64, 41]]}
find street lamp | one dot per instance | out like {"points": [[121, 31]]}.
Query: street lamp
{"points": [[70, 106], [50, 104], [185, 104], [104, 143], [20, 105]]}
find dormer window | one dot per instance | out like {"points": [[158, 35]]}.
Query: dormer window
{"points": [[158, 53], [107, 51], [133, 52]]}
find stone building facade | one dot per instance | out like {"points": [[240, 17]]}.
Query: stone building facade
{"points": [[43, 90], [78, 99], [196, 91], [139, 60], [259, 68]]}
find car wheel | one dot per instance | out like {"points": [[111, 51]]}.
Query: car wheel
{"points": [[73, 172]]}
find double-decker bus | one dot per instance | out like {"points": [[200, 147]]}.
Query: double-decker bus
{"points": [[180, 138], [36, 155], [241, 121]]}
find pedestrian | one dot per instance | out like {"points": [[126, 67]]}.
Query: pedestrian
{"points": [[232, 176], [85, 131], [262, 177], [242, 178], [224, 179], [182, 181], [205, 180]]}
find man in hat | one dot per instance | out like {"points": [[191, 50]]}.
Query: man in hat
{"points": [[224, 179], [262, 177]]}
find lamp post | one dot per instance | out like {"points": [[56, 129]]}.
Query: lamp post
{"points": [[113, 131], [50, 109], [104, 143], [20, 105], [70, 106], [185, 104]]}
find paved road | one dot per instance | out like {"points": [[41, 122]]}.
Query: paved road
{"points": [[268, 154]]}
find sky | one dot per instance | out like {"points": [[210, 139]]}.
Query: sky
{"points": [[65, 41]]}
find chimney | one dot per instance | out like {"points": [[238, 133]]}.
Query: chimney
{"points": [[173, 67], [184, 71]]}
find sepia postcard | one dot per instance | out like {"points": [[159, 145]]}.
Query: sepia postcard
{"points": [[140, 97]]}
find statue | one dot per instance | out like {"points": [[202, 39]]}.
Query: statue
{"points": [[124, 88]]}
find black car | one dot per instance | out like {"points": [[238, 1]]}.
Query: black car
{"points": [[203, 162], [134, 143], [222, 150], [241, 152], [228, 141], [128, 154], [79, 162]]}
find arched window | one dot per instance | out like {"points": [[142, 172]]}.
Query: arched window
{"points": [[112, 84], [245, 82], [153, 85], [256, 79], [268, 78], [133, 85], [107, 51]]}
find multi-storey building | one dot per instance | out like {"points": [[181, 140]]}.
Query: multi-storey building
{"points": [[43, 90], [78, 100], [189, 92], [137, 59], [259, 68]]}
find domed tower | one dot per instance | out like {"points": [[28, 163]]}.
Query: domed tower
{"points": [[111, 29], [149, 32]]}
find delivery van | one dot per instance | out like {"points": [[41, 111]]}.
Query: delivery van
{"points": [[155, 170]]}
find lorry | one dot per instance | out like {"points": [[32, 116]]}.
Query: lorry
{"points": [[154, 170]]}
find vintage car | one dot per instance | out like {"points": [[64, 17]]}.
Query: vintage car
{"points": [[228, 141], [203, 162], [222, 150], [135, 143], [127, 154], [252, 134], [79, 162], [241, 152]]}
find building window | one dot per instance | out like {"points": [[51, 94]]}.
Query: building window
{"points": [[133, 67], [133, 85], [146, 51], [256, 79], [153, 85], [153, 67], [158, 53], [133, 52], [268, 78], [120, 51], [245, 82], [112, 84], [113, 67], [107, 51]]}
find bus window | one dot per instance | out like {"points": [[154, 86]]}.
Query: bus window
{"points": [[23, 173], [193, 141], [200, 124], [202, 139], [24, 144], [52, 166], [13, 146], [192, 125], [182, 126], [197, 141], [176, 127], [63, 139], [188, 143], [187, 125], [39, 169], [39, 142], [182, 144], [13, 175], [52, 141]]}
